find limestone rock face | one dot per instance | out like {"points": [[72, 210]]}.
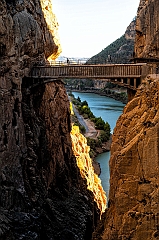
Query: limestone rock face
{"points": [[131, 30], [55, 189], [42, 195], [133, 211], [24, 36], [147, 25], [84, 162]]}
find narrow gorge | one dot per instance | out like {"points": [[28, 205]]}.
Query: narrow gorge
{"points": [[48, 189]]}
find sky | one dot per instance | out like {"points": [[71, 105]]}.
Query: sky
{"points": [[88, 26]]}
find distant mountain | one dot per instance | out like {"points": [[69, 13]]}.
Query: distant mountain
{"points": [[72, 59], [120, 51]]}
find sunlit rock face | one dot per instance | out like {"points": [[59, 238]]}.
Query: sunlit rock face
{"points": [[133, 208], [147, 26], [52, 25], [133, 211], [84, 162]]}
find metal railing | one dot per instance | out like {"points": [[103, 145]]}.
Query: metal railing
{"points": [[68, 61], [88, 71]]}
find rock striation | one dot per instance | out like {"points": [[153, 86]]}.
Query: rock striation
{"points": [[42, 194], [147, 35], [133, 208], [55, 189], [84, 162], [134, 169]]}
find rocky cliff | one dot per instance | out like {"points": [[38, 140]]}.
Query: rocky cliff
{"points": [[42, 193], [147, 34], [84, 163], [133, 211], [134, 169]]}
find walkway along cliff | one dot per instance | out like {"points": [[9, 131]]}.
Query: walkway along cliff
{"points": [[42, 193]]}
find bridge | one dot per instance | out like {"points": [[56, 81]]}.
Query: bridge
{"points": [[126, 75]]}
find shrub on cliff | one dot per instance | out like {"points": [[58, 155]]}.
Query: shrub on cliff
{"points": [[91, 142], [104, 136], [85, 110], [75, 102], [78, 99], [71, 95], [94, 143], [99, 123], [107, 128], [84, 103], [82, 129]]}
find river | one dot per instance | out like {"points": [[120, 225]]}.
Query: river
{"points": [[110, 110]]}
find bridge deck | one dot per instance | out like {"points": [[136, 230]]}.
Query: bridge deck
{"points": [[90, 71], [128, 75]]}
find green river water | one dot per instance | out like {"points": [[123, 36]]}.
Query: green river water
{"points": [[110, 110]]}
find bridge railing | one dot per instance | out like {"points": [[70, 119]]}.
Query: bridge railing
{"points": [[88, 71], [68, 61]]}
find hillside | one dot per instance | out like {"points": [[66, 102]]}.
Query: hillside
{"points": [[120, 51]]}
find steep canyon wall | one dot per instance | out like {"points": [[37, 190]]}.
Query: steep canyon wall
{"points": [[133, 211], [147, 25], [42, 194]]}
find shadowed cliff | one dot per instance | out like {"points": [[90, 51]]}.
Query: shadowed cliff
{"points": [[42, 194]]}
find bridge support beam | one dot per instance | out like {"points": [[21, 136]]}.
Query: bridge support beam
{"points": [[131, 93], [135, 82]]}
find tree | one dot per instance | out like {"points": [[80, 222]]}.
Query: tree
{"points": [[84, 103], [78, 99], [99, 123], [107, 128], [104, 136]]}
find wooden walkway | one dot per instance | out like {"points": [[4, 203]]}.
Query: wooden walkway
{"points": [[127, 75]]}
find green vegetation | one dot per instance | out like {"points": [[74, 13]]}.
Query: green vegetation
{"points": [[120, 51], [79, 84], [85, 110], [100, 124]]}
